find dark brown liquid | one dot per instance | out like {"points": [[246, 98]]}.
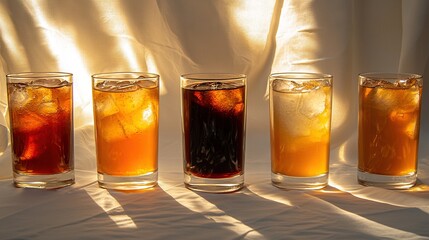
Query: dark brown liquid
{"points": [[214, 130], [42, 139]]}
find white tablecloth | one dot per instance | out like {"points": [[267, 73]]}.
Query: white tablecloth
{"points": [[343, 210]]}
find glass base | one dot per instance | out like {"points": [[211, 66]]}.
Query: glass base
{"points": [[45, 181], [305, 183], [144, 181], [387, 181], [214, 185]]}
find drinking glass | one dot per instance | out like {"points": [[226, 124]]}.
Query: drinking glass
{"points": [[300, 123], [389, 119], [213, 126], [41, 128], [126, 129]]}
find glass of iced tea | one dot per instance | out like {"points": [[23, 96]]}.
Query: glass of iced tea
{"points": [[213, 125], [300, 123], [41, 129], [389, 119], [126, 129]]}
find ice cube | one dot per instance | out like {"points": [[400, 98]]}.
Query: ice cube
{"points": [[285, 86], [375, 83], [388, 99], [130, 101], [49, 82], [411, 99], [406, 83], [225, 100], [383, 98], [404, 93], [297, 125], [126, 86], [63, 96], [313, 103], [141, 119], [105, 105], [285, 107], [286, 102], [215, 85], [26, 96], [40, 95], [146, 84], [121, 126], [19, 96], [129, 96], [29, 122], [105, 86], [209, 86], [48, 108], [310, 86], [111, 129], [303, 114]]}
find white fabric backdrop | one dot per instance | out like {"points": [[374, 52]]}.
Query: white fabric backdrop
{"points": [[172, 37]]}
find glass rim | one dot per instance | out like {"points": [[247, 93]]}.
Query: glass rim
{"points": [[31, 75], [389, 76], [297, 76], [124, 76], [213, 76]]}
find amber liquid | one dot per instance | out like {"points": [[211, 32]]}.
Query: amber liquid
{"points": [[41, 128], [126, 130], [213, 130], [300, 138], [389, 130]]}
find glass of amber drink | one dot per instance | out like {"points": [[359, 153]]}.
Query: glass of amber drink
{"points": [[389, 119], [126, 129], [214, 119], [41, 129], [300, 123]]}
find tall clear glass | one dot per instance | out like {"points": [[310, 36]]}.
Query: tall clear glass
{"points": [[126, 129], [300, 123], [41, 128], [389, 120], [213, 125]]}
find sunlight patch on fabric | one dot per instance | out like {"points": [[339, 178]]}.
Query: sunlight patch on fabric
{"points": [[111, 206]]}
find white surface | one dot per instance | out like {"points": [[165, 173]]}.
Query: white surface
{"points": [[339, 37], [344, 210]]}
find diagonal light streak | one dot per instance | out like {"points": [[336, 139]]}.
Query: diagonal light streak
{"points": [[62, 45], [111, 206], [395, 198], [116, 24], [197, 204], [327, 209], [11, 42]]}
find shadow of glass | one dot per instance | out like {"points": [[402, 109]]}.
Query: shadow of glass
{"points": [[381, 209]]}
